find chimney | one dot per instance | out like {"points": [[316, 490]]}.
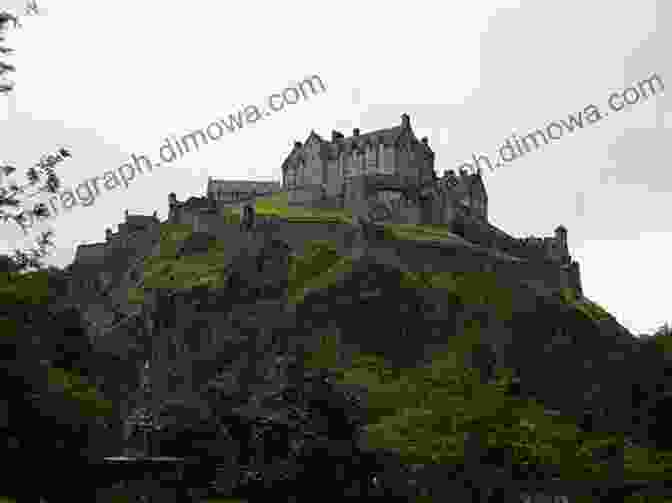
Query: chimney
{"points": [[561, 236], [405, 121], [355, 132], [108, 234], [336, 135]]}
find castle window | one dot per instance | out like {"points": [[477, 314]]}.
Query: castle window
{"points": [[345, 165], [371, 159]]}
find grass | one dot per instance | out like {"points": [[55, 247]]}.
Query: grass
{"points": [[278, 205], [317, 269], [594, 311], [472, 288], [165, 270], [420, 232]]}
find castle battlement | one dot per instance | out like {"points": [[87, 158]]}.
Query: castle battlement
{"points": [[385, 175]]}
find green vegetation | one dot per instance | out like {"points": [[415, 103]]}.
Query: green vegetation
{"points": [[171, 237], [32, 289], [79, 390], [472, 288], [165, 270], [278, 205], [24, 288], [232, 216], [317, 269], [420, 232], [425, 413], [594, 311]]}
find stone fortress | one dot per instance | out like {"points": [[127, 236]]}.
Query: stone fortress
{"points": [[382, 176]]}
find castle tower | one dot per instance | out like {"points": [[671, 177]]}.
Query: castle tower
{"points": [[108, 234], [561, 240], [172, 208]]}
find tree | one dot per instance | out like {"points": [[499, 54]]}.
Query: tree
{"points": [[5, 19], [57, 415], [445, 417], [12, 207]]}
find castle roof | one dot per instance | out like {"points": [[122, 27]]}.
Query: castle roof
{"points": [[386, 136]]}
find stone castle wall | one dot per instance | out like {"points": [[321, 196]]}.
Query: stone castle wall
{"points": [[482, 233], [531, 264]]}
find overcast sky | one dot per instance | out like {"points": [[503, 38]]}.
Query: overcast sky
{"points": [[108, 79]]}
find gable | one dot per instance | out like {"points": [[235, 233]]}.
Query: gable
{"points": [[313, 140]]}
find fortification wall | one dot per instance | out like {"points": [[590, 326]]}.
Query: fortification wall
{"points": [[90, 253], [296, 234], [485, 234], [536, 270], [142, 240], [433, 257]]}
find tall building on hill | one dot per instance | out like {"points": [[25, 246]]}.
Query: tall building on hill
{"points": [[389, 168]]}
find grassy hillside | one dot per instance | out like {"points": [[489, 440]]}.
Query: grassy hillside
{"points": [[165, 270]]}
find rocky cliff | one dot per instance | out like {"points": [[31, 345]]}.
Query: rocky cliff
{"points": [[241, 326]]}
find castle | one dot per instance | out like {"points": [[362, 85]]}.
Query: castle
{"points": [[386, 176], [383, 176], [388, 167]]}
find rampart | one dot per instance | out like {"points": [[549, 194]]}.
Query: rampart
{"points": [[483, 233], [493, 250]]}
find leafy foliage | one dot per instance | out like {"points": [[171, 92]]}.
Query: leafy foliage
{"points": [[587, 307], [11, 207], [318, 260], [428, 414], [278, 205]]}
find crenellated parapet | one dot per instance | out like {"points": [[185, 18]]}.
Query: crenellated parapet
{"points": [[96, 266], [547, 248]]}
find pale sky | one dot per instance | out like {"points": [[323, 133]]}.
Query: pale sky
{"points": [[108, 79]]}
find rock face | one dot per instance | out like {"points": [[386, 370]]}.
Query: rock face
{"points": [[263, 274], [241, 350]]}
